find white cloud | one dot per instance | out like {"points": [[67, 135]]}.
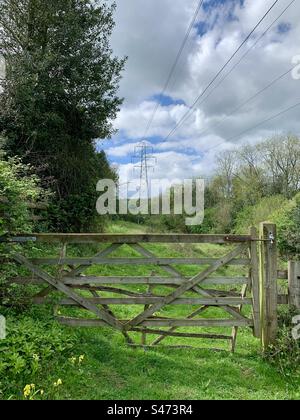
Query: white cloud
{"points": [[121, 150], [133, 119]]}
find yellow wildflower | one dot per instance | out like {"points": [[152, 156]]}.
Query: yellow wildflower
{"points": [[58, 383], [81, 358], [27, 391]]}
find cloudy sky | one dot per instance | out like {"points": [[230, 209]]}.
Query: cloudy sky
{"points": [[150, 33]]}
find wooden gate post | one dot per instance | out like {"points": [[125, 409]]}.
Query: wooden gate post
{"points": [[268, 283], [255, 282], [294, 283]]}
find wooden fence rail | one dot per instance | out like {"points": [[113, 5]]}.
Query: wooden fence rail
{"points": [[95, 238], [292, 276], [294, 284], [35, 209]]}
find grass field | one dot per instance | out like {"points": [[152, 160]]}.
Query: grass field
{"points": [[111, 370]]}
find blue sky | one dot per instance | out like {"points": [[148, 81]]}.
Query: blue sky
{"points": [[165, 100], [150, 33]]}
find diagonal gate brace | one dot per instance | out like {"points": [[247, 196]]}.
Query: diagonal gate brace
{"points": [[186, 286], [102, 314]]}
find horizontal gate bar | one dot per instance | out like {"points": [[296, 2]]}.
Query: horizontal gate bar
{"points": [[162, 322], [89, 280], [282, 299], [133, 261], [176, 347], [17, 239], [153, 280], [152, 300], [135, 238], [182, 334], [283, 274]]}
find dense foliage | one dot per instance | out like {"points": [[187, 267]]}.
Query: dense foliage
{"points": [[285, 353], [18, 187], [32, 345], [59, 95], [288, 224], [251, 182]]}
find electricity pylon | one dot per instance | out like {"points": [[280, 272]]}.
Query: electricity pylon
{"points": [[144, 162]]}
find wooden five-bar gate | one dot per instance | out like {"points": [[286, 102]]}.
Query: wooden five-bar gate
{"points": [[211, 299]]}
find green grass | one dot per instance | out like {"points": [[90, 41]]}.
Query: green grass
{"points": [[111, 370], [114, 372]]}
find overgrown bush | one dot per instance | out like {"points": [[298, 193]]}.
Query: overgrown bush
{"points": [[30, 347], [75, 214], [17, 187], [288, 224], [285, 353], [208, 223], [260, 212], [30, 344]]}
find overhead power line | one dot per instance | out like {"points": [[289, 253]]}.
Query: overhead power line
{"points": [[273, 117], [247, 101], [185, 116], [246, 53], [169, 78], [261, 91]]}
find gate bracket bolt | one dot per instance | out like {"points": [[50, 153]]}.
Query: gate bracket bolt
{"points": [[271, 238]]}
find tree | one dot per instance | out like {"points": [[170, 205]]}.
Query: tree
{"points": [[60, 92], [281, 157], [248, 177], [226, 171]]}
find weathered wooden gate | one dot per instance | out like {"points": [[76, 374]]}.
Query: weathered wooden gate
{"points": [[203, 293]]}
